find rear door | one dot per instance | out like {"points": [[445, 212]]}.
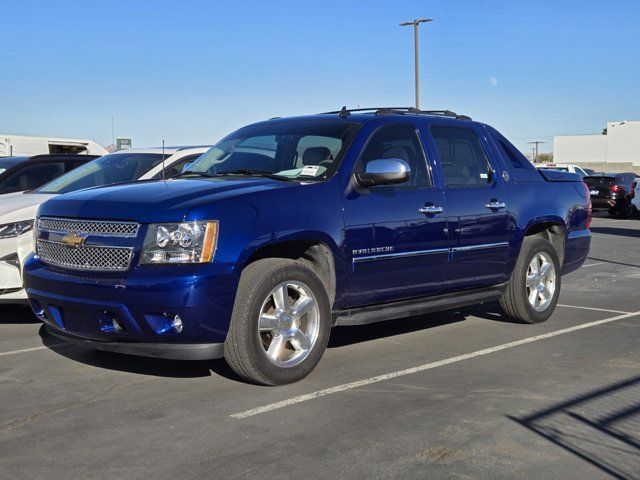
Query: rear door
{"points": [[477, 206]]}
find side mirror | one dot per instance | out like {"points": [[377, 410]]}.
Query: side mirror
{"points": [[385, 171]]}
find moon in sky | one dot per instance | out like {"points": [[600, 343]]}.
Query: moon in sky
{"points": [[493, 81]]}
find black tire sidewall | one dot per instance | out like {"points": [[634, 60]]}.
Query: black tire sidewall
{"points": [[531, 247], [257, 356]]}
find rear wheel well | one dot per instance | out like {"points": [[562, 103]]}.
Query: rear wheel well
{"points": [[316, 255], [553, 233]]}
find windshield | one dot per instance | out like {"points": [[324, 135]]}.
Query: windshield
{"points": [[106, 170], [306, 150]]}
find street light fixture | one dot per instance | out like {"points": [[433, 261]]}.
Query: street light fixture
{"points": [[415, 22]]}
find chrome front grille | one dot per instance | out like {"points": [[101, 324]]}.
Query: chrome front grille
{"points": [[102, 228], [92, 258]]}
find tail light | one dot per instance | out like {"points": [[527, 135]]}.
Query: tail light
{"points": [[587, 194], [615, 188]]}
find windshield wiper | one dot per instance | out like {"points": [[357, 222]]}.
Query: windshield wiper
{"points": [[192, 172], [254, 173]]}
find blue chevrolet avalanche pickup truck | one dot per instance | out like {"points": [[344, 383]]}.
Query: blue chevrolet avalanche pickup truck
{"points": [[290, 226]]}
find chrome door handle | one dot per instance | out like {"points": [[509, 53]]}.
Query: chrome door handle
{"points": [[431, 210], [496, 205]]}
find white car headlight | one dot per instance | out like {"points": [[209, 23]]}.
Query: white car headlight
{"points": [[10, 230], [173, 243]]}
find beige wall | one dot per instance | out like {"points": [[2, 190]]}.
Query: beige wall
{"points": [[579, 149], [620, 145]]}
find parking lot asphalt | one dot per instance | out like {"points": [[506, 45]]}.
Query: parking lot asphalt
{"points": [[460, 394]]}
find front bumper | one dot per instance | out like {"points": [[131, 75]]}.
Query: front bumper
{"points": [[13, 253], [83, 309], [172, 351]]}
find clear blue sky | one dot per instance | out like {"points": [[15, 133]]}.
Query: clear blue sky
{"points": [[190, 71]]}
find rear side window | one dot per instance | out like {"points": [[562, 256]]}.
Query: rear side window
{"points": [[463, 160], [511, 153]]}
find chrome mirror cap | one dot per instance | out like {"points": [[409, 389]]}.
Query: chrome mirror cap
{"points": [[384, 171]]}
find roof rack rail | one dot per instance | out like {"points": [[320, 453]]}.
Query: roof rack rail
{"points": [[345, 112]]}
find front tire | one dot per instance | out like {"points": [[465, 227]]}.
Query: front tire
{"points": [[280, 323], [533, 290]]}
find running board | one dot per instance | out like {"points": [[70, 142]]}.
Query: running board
{"points": [[417, 306]]}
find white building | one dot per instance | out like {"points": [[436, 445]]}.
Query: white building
{"points": [[18, 145], [620, 145]]}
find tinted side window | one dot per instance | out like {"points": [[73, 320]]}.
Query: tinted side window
{"points": [[464, 161], [177, 167], [511, 153], [33, 176], [401, 142]]}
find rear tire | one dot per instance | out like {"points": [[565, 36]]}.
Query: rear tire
{"points": [[625, 210], [533, 290], [280, 323]]}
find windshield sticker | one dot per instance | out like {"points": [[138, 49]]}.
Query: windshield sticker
{"points": [[310, 170]]}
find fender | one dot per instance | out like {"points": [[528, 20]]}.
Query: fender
{"points": [[302, 236]]}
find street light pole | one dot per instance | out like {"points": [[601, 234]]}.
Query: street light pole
{"points": [[415, 22], [536, 143], [113, 129]]}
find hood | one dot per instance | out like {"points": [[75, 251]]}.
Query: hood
{"points": [[154, 201], [16, 207]]}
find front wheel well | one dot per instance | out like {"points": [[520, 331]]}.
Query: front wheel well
{"points": [[552, 232], [317, 255]]}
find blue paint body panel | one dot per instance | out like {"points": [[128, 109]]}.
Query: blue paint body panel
{"points": [[383, 249]]}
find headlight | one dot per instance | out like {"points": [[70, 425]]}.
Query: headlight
{"points": [[9, 230], [189, 242]]}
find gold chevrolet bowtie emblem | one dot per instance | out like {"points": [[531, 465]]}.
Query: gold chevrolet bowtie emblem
{"points": [[73, 240]]}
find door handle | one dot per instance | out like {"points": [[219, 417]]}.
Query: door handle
{"points": [[496, 205], [431, 210]]}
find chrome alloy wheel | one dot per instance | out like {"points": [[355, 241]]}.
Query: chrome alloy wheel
{"points": [[289, 324], [541, 282]]}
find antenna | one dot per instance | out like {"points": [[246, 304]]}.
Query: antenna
{"points": [[163, 159]]}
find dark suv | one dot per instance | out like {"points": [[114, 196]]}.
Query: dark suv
{"points": [[612, 191]]}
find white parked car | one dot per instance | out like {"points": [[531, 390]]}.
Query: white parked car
{"points": [[563, 167], [635, 196], [18, 210]]}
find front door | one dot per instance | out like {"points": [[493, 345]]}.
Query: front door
{"points": [[477, 208], [397, 248]]}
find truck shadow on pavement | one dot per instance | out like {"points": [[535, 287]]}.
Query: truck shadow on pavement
{"points": [[340, 337], [17, 314], [349, 335], [622, 232], [157, 367], [601, 427]]}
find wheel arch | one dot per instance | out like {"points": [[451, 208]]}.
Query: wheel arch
{"points": [[321, 254], [551, 229]]}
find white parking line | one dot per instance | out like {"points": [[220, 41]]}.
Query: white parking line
{"points": [[34, 349], [421, 368], [592, 308], [593, 264]]}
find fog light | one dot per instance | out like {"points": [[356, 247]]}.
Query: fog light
{"points": [[38, 310], [177, 324], [109, 324]]}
